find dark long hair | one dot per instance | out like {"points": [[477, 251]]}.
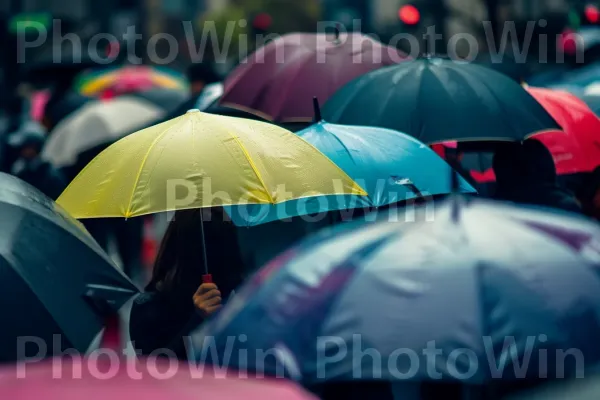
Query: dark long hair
{"points": [[178, 268]]}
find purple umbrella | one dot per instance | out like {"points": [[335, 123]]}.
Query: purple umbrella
{"points": [[279, 80]]}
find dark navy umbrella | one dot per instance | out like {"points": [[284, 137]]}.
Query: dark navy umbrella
{"points": [[438, 100], [57, 286], [483, 284]]}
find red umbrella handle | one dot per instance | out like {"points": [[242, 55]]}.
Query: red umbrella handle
{"points": [[207, 278]]}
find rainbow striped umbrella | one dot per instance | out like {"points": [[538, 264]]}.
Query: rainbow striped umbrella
{"points": [[129, 79]]}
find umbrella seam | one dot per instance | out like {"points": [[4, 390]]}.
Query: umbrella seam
{"points": [[252, 165], [143, 163]]}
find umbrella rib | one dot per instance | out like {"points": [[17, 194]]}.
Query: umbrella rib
{"points": [[253, 166], [143, 163]]}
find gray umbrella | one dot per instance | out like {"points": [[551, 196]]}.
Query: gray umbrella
{"points": [[473, 293], [57, 285]]}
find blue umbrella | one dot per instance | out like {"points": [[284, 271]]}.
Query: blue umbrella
{"points": [[391, 166], [482, 283]]}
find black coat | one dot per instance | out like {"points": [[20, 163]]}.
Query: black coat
{"points": [[161, 320]]}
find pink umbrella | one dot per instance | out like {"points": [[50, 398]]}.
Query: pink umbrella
{"points": [[147, 379], [279, 80], [104, 374]]}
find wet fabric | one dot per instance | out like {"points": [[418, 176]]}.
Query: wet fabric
{"points": [[436, 100], [61, 280], [279, 80], [391, 166], [202, 160], [513, 273]]}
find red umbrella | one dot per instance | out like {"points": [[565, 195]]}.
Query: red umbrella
{"points": [[569, 156], [575, 150], [279, 80], [577, 120], [148, 379]]}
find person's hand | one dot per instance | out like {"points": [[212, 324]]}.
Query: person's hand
{"points": [[207, 299]]}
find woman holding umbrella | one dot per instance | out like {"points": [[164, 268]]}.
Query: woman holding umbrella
{"points": [[176, 301]]}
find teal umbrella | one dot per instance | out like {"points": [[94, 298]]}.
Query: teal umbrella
{"points": [[391, 166]]}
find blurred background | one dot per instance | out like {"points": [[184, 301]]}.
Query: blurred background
{"points": [[533, 26], [381, 17]]}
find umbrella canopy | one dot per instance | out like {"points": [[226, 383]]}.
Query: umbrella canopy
{"points": [[485, 279], [55, 279], [180, 382], [166, 99], [577, 120], [97, 122], [85, 157], [279, 80], [575, 150], [569, 157], [437, 100], [129, 79], [392, 167], [218, 160]]}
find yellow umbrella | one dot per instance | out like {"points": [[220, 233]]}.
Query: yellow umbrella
{"points": [[202, 160]]}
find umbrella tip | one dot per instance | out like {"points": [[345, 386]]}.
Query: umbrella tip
{"points": [[193, 110], [317, 110]]}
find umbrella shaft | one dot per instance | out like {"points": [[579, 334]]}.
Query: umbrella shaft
{"points": [[204, 258]]}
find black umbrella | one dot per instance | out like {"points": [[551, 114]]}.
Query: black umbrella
{"points": [[439, 100], [56, 282]]}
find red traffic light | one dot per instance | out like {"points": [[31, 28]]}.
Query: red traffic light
{"points": [[409, 14], [262, 21], [592, 14]]}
